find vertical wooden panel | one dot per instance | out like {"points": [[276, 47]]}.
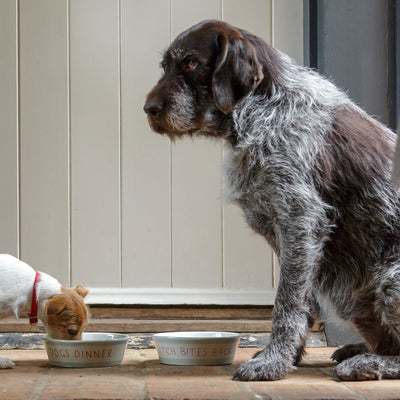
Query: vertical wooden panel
{"points": [[44, 136], [288, 28], [251, 15], [146, 228], [196, 185], [95, 142], [248, 258], [8, 128], [186, 13], [197, 214], [78, 131]]}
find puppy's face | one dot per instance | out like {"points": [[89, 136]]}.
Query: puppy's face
{"points": [[206, 71], [67, 314]]}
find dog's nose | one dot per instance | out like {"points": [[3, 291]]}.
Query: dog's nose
{"points": [[153, 107]]}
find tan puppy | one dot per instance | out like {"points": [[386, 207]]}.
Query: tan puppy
{"points": [[27, 293]]}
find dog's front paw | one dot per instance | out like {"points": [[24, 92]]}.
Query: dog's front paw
{"points": [[359, 368], [6, 363], [261, 368]]}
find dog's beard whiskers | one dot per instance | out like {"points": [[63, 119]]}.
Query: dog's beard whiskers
{"points": [[177, 124], [180, 113]]}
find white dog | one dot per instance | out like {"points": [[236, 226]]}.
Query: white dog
{"points": [[27, 293]]}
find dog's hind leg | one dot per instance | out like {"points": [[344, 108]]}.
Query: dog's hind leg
{"points": [[381, 362], [388, 299], [382, 334], [369, 366]]}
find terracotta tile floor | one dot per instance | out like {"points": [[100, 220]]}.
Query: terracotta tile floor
{"points": [[141, 376]]}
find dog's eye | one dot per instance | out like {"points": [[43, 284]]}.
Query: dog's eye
{"points": [[72, 332], [192, 64]]}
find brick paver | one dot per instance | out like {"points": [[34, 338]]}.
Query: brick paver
{"points": [[142, 377]]}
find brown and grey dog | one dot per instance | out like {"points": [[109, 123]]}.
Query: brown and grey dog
{"points": [[311, 172]]}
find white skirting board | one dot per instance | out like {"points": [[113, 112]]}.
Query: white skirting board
{"points": [[164, 296]]}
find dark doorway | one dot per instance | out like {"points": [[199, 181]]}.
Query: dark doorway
{"points": [[356, 44]]}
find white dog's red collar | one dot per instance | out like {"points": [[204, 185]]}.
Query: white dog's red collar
{"points": [[34, 307]]}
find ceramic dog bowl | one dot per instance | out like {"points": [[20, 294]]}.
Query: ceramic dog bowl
{"points": [[196, 348], [94, 350]]}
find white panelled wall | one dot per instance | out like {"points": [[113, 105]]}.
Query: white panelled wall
{"points": [[88, 193]]}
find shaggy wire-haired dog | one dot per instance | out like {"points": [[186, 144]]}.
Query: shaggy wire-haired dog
{"points": [[311, 172]]}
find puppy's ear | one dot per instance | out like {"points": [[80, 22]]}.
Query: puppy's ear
{"points": [[237, 71], [55, 305], [81, 291]]}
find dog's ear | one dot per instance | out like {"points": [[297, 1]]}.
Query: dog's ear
{"points": [[55, 305], [81, 291], [237, 71]]}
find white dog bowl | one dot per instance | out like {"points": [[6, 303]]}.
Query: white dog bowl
{"points": [[94, 350], [196, 348]]}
